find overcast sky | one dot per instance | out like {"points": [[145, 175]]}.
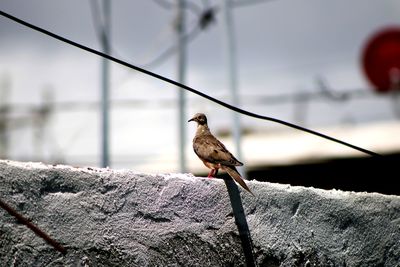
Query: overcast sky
{"points": [[282, 47]]}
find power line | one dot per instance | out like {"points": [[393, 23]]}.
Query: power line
{"points": [[27, 222], [98, 22], [248, 2], [252, 100], [206, 17], [188, 37], [188, 5], [183, 86]]}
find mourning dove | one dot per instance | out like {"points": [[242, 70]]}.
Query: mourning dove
{"points": [[213, 153]]}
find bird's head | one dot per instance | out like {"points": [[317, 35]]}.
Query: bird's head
{"points": [[200, 118]]}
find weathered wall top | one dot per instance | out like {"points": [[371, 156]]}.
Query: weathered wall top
{"points": [[110, 217]]}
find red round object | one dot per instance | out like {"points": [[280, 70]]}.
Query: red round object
{"points": [[381, 59]]}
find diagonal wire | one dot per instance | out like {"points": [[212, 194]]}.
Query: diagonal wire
{"points": [[188, 37], [33, 227], [188, 5], [248, 2], [183, 86], [97, 21]]}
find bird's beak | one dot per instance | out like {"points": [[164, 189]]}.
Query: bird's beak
{"points": [[192, 119]]}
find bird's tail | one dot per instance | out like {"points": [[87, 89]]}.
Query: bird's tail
{"points": [[231, 170]]}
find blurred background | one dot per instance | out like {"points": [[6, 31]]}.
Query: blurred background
{"points": [[332, 66]]}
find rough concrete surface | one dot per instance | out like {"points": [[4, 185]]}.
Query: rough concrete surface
{"points": [[110, 217]]}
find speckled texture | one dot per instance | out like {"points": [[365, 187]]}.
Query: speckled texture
{"points": [[107, 217]]}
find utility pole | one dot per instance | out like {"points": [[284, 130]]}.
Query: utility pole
{"points": [[4, 111], [40, 120], [230, 51], [105, 81], [181, 29], [234, 195]]}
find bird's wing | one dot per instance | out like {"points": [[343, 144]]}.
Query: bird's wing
{"points": [[210, 149]]}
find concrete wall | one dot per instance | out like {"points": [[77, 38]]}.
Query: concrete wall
{"points": [[107, 217]]}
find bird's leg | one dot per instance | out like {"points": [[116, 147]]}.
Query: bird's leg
{"points": [[213, 173]]}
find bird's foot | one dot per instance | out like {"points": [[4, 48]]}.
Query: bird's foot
{"points": [[212, 173]]}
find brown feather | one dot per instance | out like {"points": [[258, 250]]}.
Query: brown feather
{"points": [[213, 153], [208, 148], [236, 176]]}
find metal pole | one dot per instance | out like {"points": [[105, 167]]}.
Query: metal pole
{"points": [[105, 96], [230, 50], [180, 28], [241, 222], [4, 115], [234, 195]]}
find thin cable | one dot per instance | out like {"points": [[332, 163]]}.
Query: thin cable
{"points": [[187, 38], [98, 25], [165, 79], [248, 2], [33, 227], [97, 21], [172, 50], [188, 5]]}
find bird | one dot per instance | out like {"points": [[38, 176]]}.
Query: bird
{"points": [[213, 153]]}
